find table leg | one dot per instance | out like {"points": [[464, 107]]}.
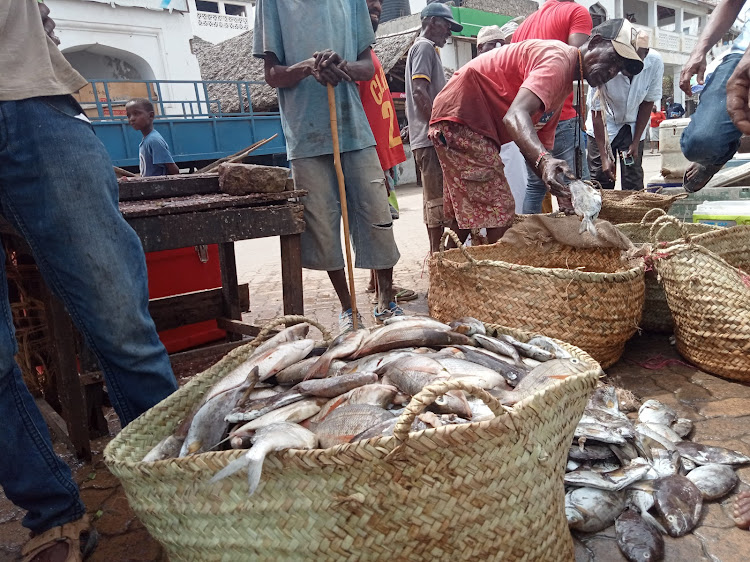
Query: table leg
{"points": [[291, 274], [229, 286], [68, 381]]}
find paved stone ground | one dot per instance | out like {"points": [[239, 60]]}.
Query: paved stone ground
{"points": [[720, 409]]}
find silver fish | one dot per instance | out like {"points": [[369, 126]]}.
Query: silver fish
{"points": [[502, 364], [592, 510], [209, 425], [170, 446], [297, 372], [638, 540], [275, 437], [468, 326], [405, 335], [587, 202], [345, 422], [589, 452], [612, 481], [329, 407], [679, 503], [548, 344], [682, 427], [417, 320], [665, 463], [258, 408], [713, 480], [479, 410], [281, 356], [605, 398], [653, 411], [375, 394], [472, 373], [643, 501], [598, 432], [662, 430], [292, 413], [292, 333], [613, 419], [334, 386], [498, 345], [341, 347], [707, 454], [544, 375]]}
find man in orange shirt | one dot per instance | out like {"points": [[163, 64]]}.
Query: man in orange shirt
{"points": [[657, 117]]}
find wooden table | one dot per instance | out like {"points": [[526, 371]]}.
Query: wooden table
{"points": [[177, 212]]}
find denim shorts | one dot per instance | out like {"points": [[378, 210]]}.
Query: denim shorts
{"points": [[370, 222]]}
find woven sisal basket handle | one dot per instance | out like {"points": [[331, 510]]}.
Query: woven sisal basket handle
{"points": [[427, 396], [290, 320], [454, 236], [652, 212], [663, 222]]}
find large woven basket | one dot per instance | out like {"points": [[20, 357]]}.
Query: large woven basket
{"points": [[656, 315], [710, 302], [588, 297], [490, 490], [631, 206]]}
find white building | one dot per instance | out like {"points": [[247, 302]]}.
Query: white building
{"points": [[129, 39], [216, 21]]}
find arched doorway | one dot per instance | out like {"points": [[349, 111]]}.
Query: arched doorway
{"points": [[100, 62], [598, 14]]}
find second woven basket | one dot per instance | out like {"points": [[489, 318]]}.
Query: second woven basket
{"points": [[588, 297]]}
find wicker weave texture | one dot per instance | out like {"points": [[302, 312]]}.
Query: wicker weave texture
{"points": [[620, 207], [710, 303], [491, 490], [656, 314], [587, 297]]}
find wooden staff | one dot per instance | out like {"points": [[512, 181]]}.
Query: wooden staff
{"points": [[342, 197]]}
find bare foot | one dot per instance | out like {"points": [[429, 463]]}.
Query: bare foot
{"points": [[691, 170], [741, 511]]}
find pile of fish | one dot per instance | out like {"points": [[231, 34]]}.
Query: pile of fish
{"points": [[291, 395], [642, 475]]}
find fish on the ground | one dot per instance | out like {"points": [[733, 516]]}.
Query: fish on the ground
{"points": [[713, 480], [592, 510], [590, 452], [612, 481], [598, 432], [468, 326], [653, 411], [708, 454], [275, 437], [682, 427], [334, 386], [587, 202], [292, 413], [638, 540], [665, 463], [345, 422], [643, 500], [417, 321], [663, 431], [679, 503]]}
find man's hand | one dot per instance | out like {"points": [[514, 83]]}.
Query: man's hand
{"points": [[551, 169], [405, 134], [609, 167], [48, 23], [696, 64], [330, 68], [737, 95]]}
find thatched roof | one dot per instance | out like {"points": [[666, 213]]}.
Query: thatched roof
{"points": [[233, 60]]}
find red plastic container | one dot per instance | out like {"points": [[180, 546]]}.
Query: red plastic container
{"points": [[173, 272]]}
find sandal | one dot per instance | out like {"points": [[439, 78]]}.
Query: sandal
{"points": [[400, 295], [69, 533], [700, 178]]}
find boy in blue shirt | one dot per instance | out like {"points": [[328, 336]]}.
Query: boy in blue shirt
{"points": [[153, 152]]}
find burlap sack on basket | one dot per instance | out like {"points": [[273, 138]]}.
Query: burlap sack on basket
{"points": [[491, 490], [710, 302], [656, 315], [631, 206], [589, 297]]}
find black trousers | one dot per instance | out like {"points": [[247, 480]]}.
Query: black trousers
{"points": [[631, 177]]}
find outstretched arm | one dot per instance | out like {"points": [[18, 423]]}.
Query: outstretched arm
{"points": [[737, 94]]}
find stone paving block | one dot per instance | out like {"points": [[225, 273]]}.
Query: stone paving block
{"points": [[725, 545], [731, 407], [721, 428], [720, 388], [692, 394], [716, 514], [684, 549]]}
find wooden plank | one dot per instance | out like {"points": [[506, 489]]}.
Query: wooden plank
{"points": [[217, 226], [229, 292], [207, 351], [68, 384], [176, 205], [189, 308], [237, 327], [291, 274], [728, 177], [160, 187]]}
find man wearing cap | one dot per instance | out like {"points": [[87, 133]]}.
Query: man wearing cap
{"points": [[425, 77], [491, 36], [515, 94], [566, 21], [629, 101]]}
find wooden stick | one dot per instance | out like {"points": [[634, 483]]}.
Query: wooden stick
{"points": [[342, 196], [236, 156], [120, 172]]}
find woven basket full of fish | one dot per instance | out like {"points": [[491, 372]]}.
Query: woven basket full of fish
{"points": [[656, 315], [619, 207], [489, 490], [589, 297], [709, 299]]}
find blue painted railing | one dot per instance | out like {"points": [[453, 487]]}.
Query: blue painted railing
{"points": [[196, 124]]}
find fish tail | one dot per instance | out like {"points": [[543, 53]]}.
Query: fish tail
{"points": [[320, 366], [254, 468], [591, 227], [584, 226], [233, 467]]}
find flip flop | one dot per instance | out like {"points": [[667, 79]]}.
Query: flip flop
{"points": [[401, 295], [700, 178]]}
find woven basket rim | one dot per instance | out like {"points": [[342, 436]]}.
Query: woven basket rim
{"points": [[377, 447]]}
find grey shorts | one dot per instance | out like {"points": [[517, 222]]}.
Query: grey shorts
{"points": [[370, 222], [653, 134], [432, 185]]}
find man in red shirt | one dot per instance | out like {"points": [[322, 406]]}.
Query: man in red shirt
{"points": [[515, 94], [565, 21], [381, 115]]}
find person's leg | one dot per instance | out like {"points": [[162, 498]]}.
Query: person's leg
{"points": [[58, 189], [711, 139], [632, 176], [432, 193], [595, 164]]}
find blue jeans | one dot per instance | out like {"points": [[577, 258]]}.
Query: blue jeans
{"points": [[564, 149], [58, 190], [711, 138]]}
